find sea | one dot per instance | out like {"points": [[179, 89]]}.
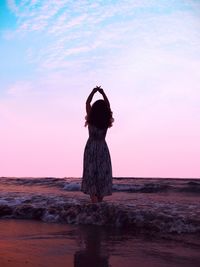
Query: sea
{"points": [[159, 216]]}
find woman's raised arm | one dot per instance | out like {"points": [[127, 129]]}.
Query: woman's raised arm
{"points": [[89, 99], [101, 91]]}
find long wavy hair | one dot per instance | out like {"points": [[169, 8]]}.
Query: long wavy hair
{"points": [[100, 115]]}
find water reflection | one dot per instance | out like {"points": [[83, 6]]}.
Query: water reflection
{"points": [[93, 251]]}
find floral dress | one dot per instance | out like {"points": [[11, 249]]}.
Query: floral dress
{"points": [[97, 168]]}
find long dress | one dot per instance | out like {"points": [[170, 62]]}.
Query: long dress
{"points": [[97, 168]]}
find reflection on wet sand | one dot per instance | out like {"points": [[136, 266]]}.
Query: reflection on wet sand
{"points": [[93, 252]]}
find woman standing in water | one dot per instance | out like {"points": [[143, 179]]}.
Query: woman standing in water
{"points": [[97, 169]]}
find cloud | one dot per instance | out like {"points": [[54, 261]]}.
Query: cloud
{"points": [[13, 6], [102, 37], [67, 29]]}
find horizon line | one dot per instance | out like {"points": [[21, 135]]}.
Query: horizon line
{"points": [[114, 177]]}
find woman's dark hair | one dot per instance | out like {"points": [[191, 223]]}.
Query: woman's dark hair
{"points": [[100, 115]]}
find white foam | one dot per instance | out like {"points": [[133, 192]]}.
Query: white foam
{"points": [[126, 187], [47, 217], [3, 202], [73, 186]]}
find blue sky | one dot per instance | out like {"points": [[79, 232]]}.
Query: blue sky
{"points": [[145, 54], [62, 35]]}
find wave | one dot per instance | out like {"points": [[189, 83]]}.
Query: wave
{"points": [[146, 188], [131, 188], [191, 187], [72, 186], [129, 185], [162, 218], [155, 187], [33, 198]]}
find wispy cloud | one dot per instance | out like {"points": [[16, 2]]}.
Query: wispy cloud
{"points": [[66, 29], [71, 26], [78, 35]]}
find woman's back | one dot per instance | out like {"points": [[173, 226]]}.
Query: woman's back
{"points": [[96, 133]]}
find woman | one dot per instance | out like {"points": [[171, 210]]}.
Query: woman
{"points": [[97, 169]]}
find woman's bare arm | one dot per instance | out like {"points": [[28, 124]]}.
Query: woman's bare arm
{"points": [[101, 91], [89, 99]]}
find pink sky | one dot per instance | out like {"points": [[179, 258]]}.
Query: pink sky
{"points": [[148, 64]]}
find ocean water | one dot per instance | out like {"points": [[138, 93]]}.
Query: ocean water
{"points": [[146, 205], [146, 220]]}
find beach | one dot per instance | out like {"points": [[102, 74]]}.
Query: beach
{"points": [[49, 222]]}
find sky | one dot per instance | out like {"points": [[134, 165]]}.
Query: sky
{"points": [[146, 56]]}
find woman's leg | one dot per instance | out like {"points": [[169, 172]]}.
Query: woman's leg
{"points": [[94, 198], [100, 199]]}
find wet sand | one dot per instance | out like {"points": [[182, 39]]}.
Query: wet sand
{"points": [[38, 244]]}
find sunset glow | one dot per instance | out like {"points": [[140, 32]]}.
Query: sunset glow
{"points": [[144, 54]]}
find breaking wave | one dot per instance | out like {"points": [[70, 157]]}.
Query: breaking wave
{"points": [[165, 218]]}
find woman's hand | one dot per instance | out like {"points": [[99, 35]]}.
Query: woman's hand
{"points": [[95, 90], [99, 89]]}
